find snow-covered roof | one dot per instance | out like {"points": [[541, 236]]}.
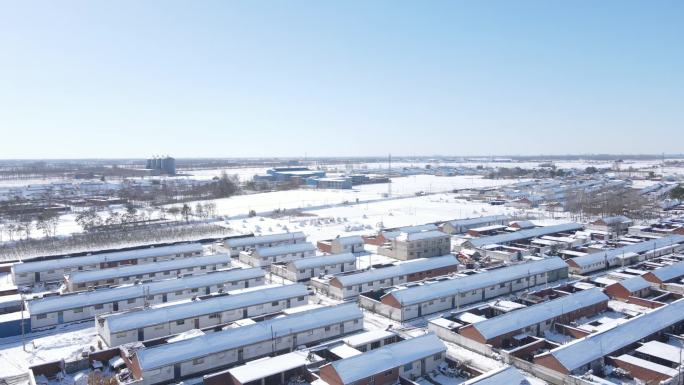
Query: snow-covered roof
{"points": [[637, 248], [507, 375], [280, 237], [476, 221], [652, 366], [595, 346], [350, 240], [667, 273], [268, 366], [396, 270], [167, 354], [146, 268], [661, 350], [68, 262], [634, 284], [323, 260], [523, 224], [404, 237], [285, 249], [153, 316], [614, 220], [524, 234], [431, 290], [532, 315], [71, 301], [388, 357], [368, 337]]}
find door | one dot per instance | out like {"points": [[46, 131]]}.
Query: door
{"points": [[240, 355], [115, 305], [422, 367], [244, 313], [36, 276], [206, 290], [197, 323], [176, 372], [164, 298], [60, 317], [420, 310], [141, 334]]}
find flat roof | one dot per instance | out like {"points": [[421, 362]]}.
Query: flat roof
{"points": [[126, 271], [89, 298], [61, 263], [268, 366], [661, 350]]}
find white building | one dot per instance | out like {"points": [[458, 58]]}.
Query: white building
{"points": [[156, 322], [236, 245], [307, 268], [265, 256], [55, 310], [461, 226], [349, 285], [83, 280], [54, 270], [230, 347]]}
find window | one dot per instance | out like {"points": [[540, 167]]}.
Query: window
{"points": [[78, 310], [110, 281], [166, 273], [51, 271], [437, 357], [121, 335], [300, 298], [408, 367], [130, 300], [99, 306], [215, 315], [275, 303], [180, 322], [41, 316], [502, 285], [195, 290], [203, 267], [198, 361], [179, 292], [159, 327], [327, 328]]}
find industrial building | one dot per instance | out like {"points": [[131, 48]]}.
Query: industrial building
{"points": [[461, 226]]}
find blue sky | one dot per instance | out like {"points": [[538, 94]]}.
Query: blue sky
{"points": [[285, 78]]}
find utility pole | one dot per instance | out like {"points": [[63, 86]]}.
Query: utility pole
{"points": [[23, 336], [389, 176]]}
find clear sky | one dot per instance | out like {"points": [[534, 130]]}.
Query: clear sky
{"points": [[368, 77]]}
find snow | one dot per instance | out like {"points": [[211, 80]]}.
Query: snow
{"points": [[159, 356], [269, 238], [61, 263], [387, 357], [146, 268], [71, 301], [661, 350], [368, 337], [637, 248], [398, 269], [265, 367], [153, 316], [404, 237], [525, 234], [532, 315], [669, 273], [635, 284], [285, 249], [323, 260], [186, 335], [505, 376], [648, 365], [431, 290], [594, 346]]}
